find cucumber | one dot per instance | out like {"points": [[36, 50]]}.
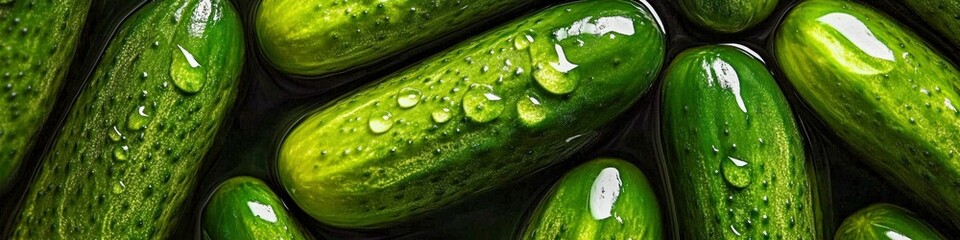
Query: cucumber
{"points": [[128, 153], [885, 221], [606, 198], [944, 16], [356, 33], [734, 154], [884, 91], [245, 208], [481, 114], [727, 16], [34, 59]]}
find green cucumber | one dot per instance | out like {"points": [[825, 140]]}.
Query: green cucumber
{"points": [[245, 208], [317, 37], [883, 90], [605, 198], [944, 16], [734, 153], [885, 221], [128, 153], [481, 114], [727, 16], [34, 58]]}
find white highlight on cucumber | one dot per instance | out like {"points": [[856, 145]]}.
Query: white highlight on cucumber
{"points": [[604, 193], [896, 236], [262, 211], [727, 77], [858, 33], [600, 26]]}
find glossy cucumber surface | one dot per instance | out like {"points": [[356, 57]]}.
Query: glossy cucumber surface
{"points": [[481, 114], [943, 15], [606, 198], [884, 91], [317, 37], [885, 221], [727, 16], [128, 154], [733, 151], [34, 58], [245, 208]]}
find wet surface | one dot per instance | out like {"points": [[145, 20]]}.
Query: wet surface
{"points": [[271, 102]]}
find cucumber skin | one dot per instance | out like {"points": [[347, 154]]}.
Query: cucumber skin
{"points": [[878, 221], [566, 212], [229, 215], [896, 114], [704, 124], [944, 16], [347, 178], [727, 16], [83, 190], [357, 33], [43, 55]]}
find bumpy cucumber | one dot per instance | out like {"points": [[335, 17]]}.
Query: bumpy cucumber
{"points": [[34, 58], [602, 199], [944, 16], [246, 208], [486, 112], [316, 37], [883, 90], [727, 16], [128, 154], [885, 221], [734, 153]]}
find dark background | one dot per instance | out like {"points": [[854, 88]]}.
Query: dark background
{"points": [[271, 102]]}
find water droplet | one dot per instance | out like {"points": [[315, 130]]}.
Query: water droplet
{"points": [[138, 119], [408, 97], [522, 42], [604, 193], [120, 153], [530, 111], [736, 172], [482, 104], [553, 78], [380, 122], [186, 72], [441, 116], [119, 187], [115, 134]]}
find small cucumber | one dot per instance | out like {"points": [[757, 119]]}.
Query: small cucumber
{"points": [[883, 90], [245, 208], [727, 16], [605, 198], [34, 58], [317, 37], [484, 113], [943, 15], [734, 154], [128, 153], [885, 221]]}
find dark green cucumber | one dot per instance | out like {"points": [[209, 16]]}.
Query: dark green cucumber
{"points": [[728, 16], [944, 16], [316, 37], [481, 114], [34, 58], [885, 221], [734, 154], [884, 91], [246, 208], [128, 153], [602, 199]]}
